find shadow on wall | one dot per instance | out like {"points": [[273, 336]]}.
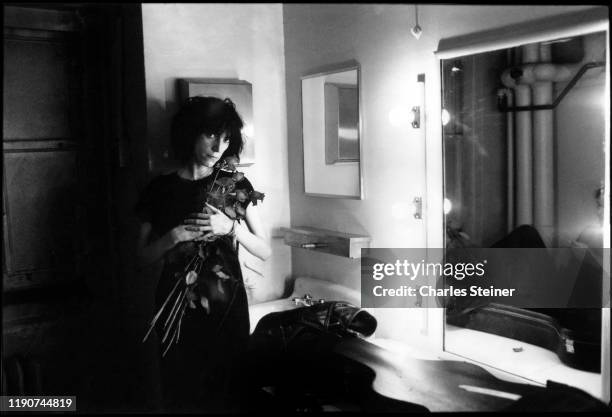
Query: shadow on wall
{"points": [[159, 118]]}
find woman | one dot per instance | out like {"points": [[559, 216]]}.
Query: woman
{"points": [[175, 217]]}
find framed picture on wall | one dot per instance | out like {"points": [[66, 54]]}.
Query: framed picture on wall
{"points": [[240, 92]]}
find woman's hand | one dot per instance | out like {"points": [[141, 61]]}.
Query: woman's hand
{"points": [[185, 233], [151, 248], [212, 221]]}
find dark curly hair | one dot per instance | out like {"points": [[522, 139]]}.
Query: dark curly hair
{"points": [[205, 115]]}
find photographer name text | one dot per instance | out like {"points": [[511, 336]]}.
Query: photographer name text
{"points": [[413, 270]]}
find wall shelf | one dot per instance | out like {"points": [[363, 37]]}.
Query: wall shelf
{"points": [[328, 241]]}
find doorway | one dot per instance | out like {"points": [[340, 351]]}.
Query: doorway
{"points": [[65, 145]]}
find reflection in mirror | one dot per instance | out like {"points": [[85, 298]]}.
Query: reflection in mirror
{"points": [[523, 132], [331, 133], [341, 123]]}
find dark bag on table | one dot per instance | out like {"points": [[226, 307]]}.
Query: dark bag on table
{"points": [[309, 326]]}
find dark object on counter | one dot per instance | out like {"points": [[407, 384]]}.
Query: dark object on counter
{"points": [[336, 319], [292, 364]]}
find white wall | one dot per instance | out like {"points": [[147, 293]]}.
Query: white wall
{"points": [[225, 41], [393, 158]]}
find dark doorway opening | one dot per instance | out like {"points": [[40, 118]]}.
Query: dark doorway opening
{"points": [[73, 131]]}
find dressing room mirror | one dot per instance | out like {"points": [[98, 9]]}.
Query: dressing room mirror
{"points": [[524, 167], [331, 132]]}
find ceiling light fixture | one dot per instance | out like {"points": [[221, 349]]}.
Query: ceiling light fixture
{"points": [[416, 29]]}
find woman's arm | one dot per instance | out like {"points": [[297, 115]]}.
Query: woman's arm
{"points": [[253, 235], [150, 249]]}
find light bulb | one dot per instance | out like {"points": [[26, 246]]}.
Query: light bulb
{"points": [[445, 117], [448, 206]]}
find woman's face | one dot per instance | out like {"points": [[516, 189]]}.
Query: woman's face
{"points": [[209, 148]]}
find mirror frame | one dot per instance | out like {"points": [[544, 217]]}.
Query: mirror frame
{"points": [[326, 70]]}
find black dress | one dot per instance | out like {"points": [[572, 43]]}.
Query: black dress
{"points": [[199, 372]]}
